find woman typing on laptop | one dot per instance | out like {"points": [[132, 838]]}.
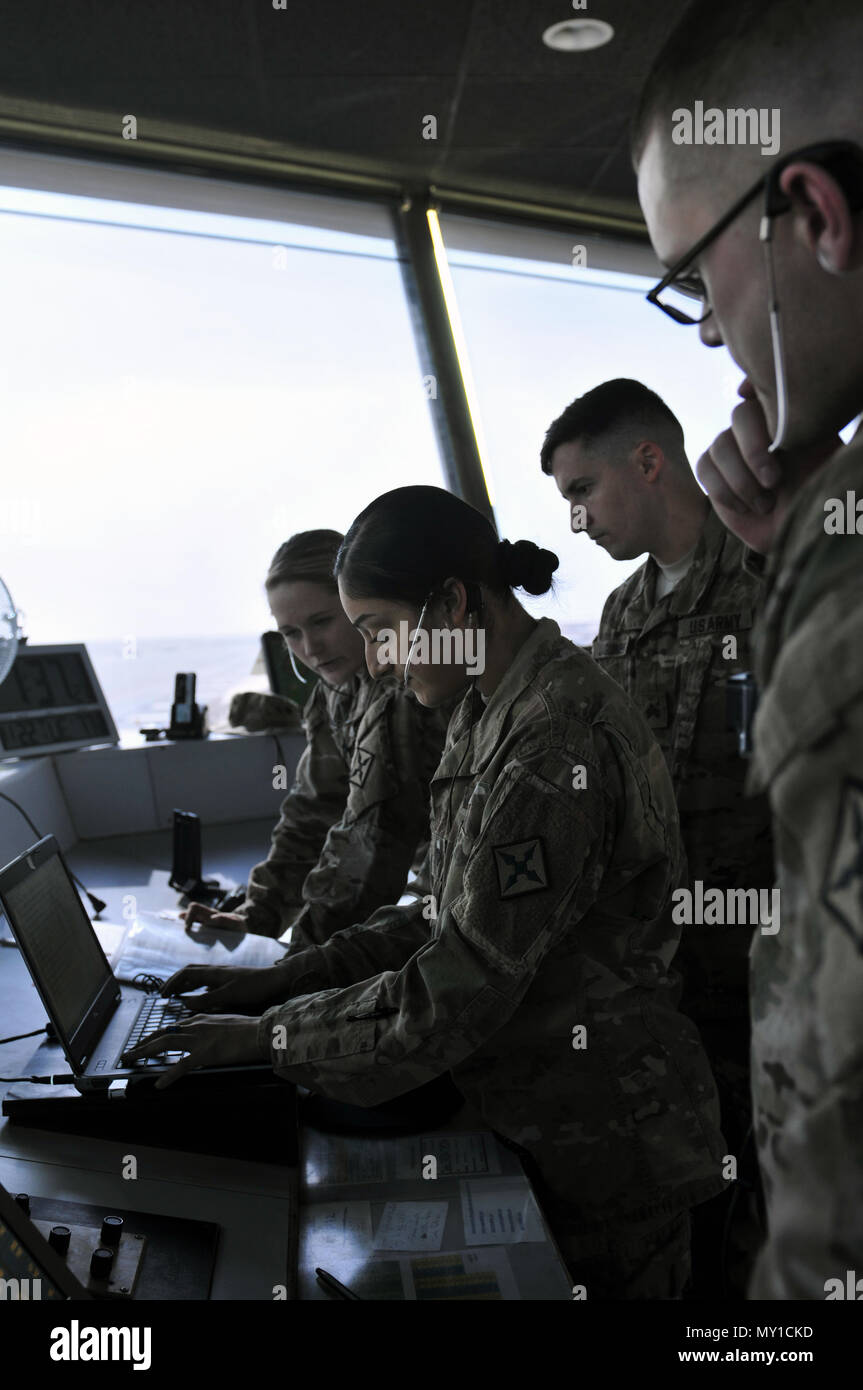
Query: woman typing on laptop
{"points": [[537, 970]]}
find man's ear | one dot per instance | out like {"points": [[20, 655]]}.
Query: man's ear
{"points": [[649, 460], [822, 219]]}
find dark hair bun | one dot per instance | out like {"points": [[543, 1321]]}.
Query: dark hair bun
{"points": [[527, 566]]}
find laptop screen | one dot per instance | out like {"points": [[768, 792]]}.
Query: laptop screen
{"points": [[56, 936]]}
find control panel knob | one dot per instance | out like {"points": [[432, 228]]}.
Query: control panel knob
{"points": [[23, 1200], [101, 1262], [112, 1229], [58, 1239]]}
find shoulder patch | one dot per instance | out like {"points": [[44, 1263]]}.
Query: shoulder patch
{"points": [[842, 888], [520, 868], [361, 766]]}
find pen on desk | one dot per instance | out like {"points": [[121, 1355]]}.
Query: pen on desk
{"points": [[330, 1283]]}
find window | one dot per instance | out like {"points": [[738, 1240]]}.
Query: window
{"points": [[184, 387], [541, 331]]}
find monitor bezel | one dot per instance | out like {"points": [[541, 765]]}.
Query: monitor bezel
{"points": [[77, 1047]]}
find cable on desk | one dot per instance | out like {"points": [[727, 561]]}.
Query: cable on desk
{"points": [[18, 1036], [148, 983], [42, 1080], [96, 903]]}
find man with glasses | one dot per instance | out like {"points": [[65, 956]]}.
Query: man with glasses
{"points": [[770, 257], [672, 635]]}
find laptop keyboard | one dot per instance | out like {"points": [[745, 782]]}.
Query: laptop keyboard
{"points": [[156, 1013]]}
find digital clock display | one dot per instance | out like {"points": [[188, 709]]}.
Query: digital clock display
{"points": [[40, 730], [51, 701], [46, 682]]}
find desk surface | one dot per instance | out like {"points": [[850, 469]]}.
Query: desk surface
{"points": [[350, 1185], [253, 1203]]}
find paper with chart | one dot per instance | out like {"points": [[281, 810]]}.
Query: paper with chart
{"points": [[497, 1215], [457, 1154]]}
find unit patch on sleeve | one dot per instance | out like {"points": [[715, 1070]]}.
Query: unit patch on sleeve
{"points": [[842, 889], [362, 763], [520, 868]]}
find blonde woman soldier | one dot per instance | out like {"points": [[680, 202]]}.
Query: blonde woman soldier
{"points": [[356, 818]]}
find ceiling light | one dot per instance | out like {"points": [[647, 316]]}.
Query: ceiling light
{"points": [[577, 35]]}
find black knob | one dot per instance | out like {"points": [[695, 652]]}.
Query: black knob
{"points": [[100, 1264], [112, 1229], [58, 1239], [23, 1200]]}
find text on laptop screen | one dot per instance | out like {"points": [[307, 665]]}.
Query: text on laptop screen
{"points": [[50, 920]]}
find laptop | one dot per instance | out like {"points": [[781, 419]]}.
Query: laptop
{"points": [[95, 1019]]}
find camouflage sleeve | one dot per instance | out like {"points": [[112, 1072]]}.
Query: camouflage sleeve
{"points": [[316, 800], [532, 870], [807, 978], [385, 942], [368, 853]]}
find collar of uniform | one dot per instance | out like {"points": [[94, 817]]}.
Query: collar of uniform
{"points": [[687, 595], [485, 730], [341, 699]]}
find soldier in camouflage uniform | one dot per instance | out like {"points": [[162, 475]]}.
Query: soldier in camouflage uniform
{"points": [[776, 479], [807, 980], [356, 818], [671, 635], [538, 973]]}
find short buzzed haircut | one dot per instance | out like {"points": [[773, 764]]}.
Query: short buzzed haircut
{"points": [[774, 53], [622, 406]]}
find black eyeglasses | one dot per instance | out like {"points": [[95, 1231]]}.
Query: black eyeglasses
{"points": [[676, 290]]}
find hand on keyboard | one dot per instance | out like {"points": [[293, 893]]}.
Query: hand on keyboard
{"points": [[224, 1041]]}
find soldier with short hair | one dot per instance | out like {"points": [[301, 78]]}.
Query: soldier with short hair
{"points": [[671, 635], [538, 973], [766, 255]]}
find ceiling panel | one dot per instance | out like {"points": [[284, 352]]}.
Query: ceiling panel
{"points": [[348, 84]]}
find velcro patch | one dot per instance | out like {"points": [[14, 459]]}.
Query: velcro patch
{"points": [[361, 766], [520, 868], [842, 888]]}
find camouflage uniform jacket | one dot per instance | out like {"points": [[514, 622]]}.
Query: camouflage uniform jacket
{"points": [[807, 979], [550, 916], [668, 656], [357, 815]]}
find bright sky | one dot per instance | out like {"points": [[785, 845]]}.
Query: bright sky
{"points": [[178, 402]]}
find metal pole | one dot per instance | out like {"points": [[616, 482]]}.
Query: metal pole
{"points": [[438, 355]]}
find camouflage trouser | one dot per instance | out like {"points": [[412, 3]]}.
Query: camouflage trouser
{"points": [[643, 1260], [727, 1232]]}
